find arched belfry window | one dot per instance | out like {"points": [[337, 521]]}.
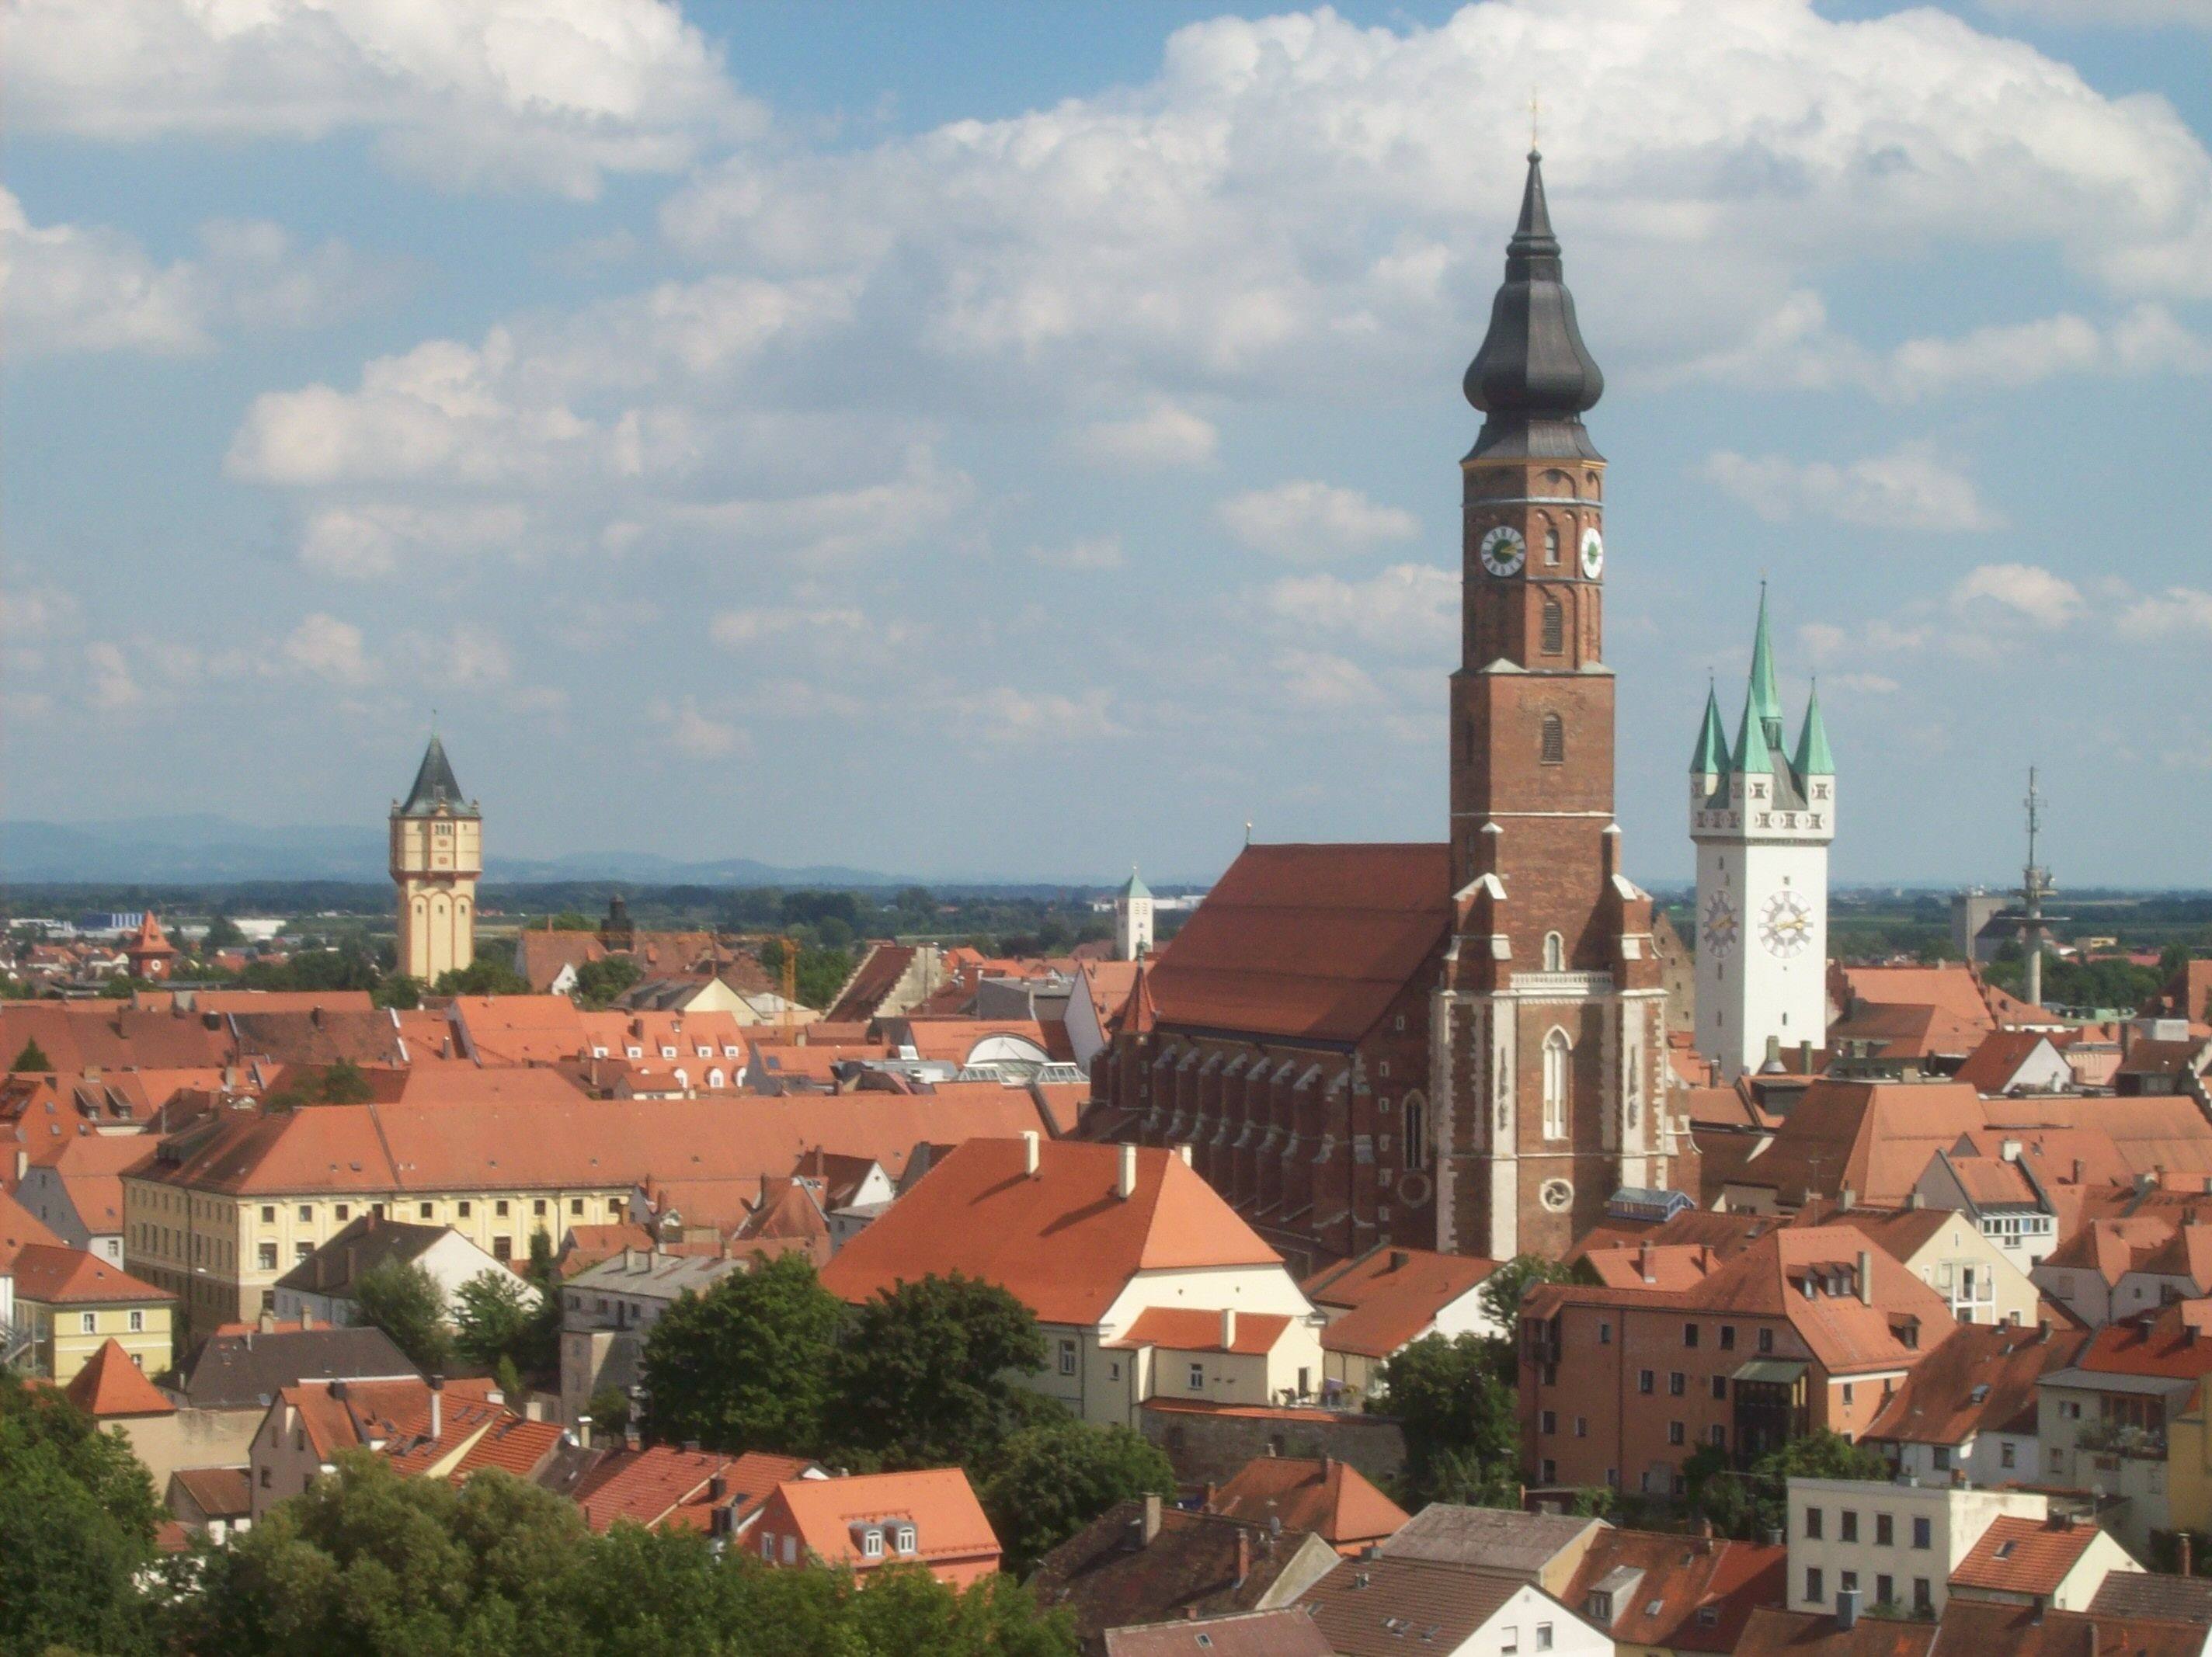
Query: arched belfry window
{"points": [[1555, 740], [1555, 628], [1555, 953], [1551, 546], [1558, 1055]]}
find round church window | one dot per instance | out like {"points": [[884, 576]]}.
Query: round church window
{"points": [[1555, 1195]]}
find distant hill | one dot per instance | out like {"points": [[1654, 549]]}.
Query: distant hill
{"points": [[203, 848]]}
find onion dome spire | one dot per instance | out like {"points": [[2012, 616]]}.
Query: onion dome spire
{"points": [[1813, 759], [1533, 377]]}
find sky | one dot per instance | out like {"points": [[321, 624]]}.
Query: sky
{"points": [[1015, 441]]}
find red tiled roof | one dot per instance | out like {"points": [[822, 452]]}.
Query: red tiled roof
{"points": [[1312, 941], [1390, 1297], [1684, 1578], [1992, 1065], [1982, 1378], [948, 1520], [876, 977], [219, 1492], [662, 1484], [1771, 1631], [57, 1276], [2024, 1556], [1187, 1329], [1060, 1240], [19, 1228], [519, 1029], [2166, 1346], [110, 1385], [1305, 1493]]}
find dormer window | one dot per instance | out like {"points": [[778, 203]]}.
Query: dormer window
{"points": [[668, 1053], [872, 1544], [906, 1539], [635, 1053]]}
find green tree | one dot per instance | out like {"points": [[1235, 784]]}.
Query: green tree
{"points": [[402, 1299], [343, 1083], [1050, 1481], [747, 1365], [76, 1528], [397, 990], [484, 976], [222, 933], [610, 1412], [1462, 1437], [32, 1059], [1753, 1501], [926, 1375], [600, 983], [1504, 1289], [497, 1320]]}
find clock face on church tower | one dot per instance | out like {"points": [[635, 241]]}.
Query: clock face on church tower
{"points": [[1504, 551], [1719, 925], [1593, 553], [1786, 926]]}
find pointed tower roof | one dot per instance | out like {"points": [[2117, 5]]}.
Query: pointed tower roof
{"points": [[1763, 693], [1711, 756], [1533, 377], [110, 1386], [1136, 888], [434, 787], [1812, 758], [1752, 751]]}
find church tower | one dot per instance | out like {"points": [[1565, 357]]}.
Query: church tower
{"points": [[437, 852], [1132, 921], [1762, 815], [1549, 1070]]}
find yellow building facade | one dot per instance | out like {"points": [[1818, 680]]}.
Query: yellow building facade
{"points": [[437, 854], [69, 1304]]}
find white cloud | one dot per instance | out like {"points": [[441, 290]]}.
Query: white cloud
{"points": [[2176, 613], [33, 612], [1307, 520], [1411, 609], [328, 648], [1005, 716], [1166, 434], [75, 288], [363, 542], [1099, 552], [1323, 683], [113, 686], [2026, 590], [1906, 489], [701, 736], [734, 629], [549, 95], [1866, 684]]}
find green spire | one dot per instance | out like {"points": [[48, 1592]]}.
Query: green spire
{"points": [[1813, 759], [1762, 674], [1711, 757], [1753, 752], [1136, 888]]}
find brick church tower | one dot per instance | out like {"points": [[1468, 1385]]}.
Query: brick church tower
{"points": [[1549, 1076]]}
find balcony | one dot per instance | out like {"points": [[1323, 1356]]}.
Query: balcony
{"points": [[1572, 985], [2122, 1438]]}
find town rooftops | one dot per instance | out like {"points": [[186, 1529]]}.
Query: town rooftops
{"points": [[249, 1367], [2153, 1596], [2024, 1556], [1390, 1296], [2170, 1344], [20, 1229], [361, 1246], [1379, 1607], [54, 1276], [1497, 1539], [663, 1485], [1285, 1631], [1304, 940], [1974, 1628], [1771, 1631], [218, 1492], [1682, 1592], [1059, 1237], [830, 1515], [1329, 1497], [1981, 1379], [110, 1386]]}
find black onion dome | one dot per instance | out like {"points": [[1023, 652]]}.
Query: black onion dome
{"points": [[1533, 377]]}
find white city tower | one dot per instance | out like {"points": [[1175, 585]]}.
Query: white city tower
{"points": [[1762, 817]]}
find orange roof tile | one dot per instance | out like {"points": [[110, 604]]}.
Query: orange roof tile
{"points": [[19, 1228], [2024, 1556], [661, 1484], [2166, 1344], [1188, 1329], [55, 1276], [110, 1385], [1982, 1378], [1061, 1240], [948, 1520], [1391, 1296], [1322, 1494], [1684, 1578]]}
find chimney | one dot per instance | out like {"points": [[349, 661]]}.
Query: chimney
{"points": [[22, 1163], [1125, 1182], [1847, 1609], [2009, 1150], [2093, 1637], [266, 1323], [1029, 1151], [1244, 1559], [584, 1432], [307, 1318], [2077, 1170], [2185, 1571], [632, 1440], [1805, 1058], [1184, 1151], [1151, 1519], [1644, 1267], [1866, 1278], [437, 1408], [1400, 1260], [1845, 1198], [1227, 1328], [717, 1487], [1916, 1200]]}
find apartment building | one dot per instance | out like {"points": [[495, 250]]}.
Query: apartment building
{"points": [[1891, 1544]]}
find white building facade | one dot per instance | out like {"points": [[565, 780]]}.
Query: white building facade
{"points": [[1762, 816]]}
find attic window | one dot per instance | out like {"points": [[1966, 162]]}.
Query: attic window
{"points": [[2004, 1549], [1708, 1616], [1980, 1394]]}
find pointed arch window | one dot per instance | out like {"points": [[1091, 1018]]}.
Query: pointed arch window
{"points": [[1555, 953], [1417, 1132], [1558, 1055], [1555, 740], [1551, 546], [1555, 627]]}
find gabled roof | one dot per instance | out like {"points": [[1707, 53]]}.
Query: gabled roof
{"points": [[2024, 1556], [1390, 1296], [361, 1245], [1974, 1628], [948, 1520], [2170, 1344], [2154, 1596], [1499, 1538], [1875, 1138], [1188, 1329], [217, 1492], [1308, 941], [110, 1387], [233, 1371], [1981, 1378], [19, 1228], [1306, 1493], [1992, 1066], [1109, 1575], [663, 1485], [1691, 1593], [55, 1276], [1285, 1631], [1771, 1631], [1381, 1608], [1060, 1240]]}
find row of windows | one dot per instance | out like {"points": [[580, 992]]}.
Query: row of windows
{"points": [[1690, 1338], [1884, 1589], [1678, 1384], [87, 1323], [464, 1209], [1885, 1527], [1677, 1432]]}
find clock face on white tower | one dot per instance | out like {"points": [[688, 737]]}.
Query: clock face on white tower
{"points": [[1719, 926], [1786, 926], [1502, 550]]}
